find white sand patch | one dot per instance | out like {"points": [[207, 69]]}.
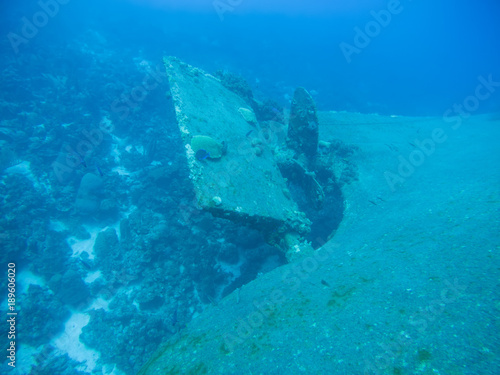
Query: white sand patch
{"points": [[25, 279], [99, 303], [57, 226], [43, 184], [129, 211], [79, 246], [92, 276], [140, 149], [118, 143], [22, 169], [115, 152], [117, 140], [232, 269], [116, 227], [121, 171], [111, 370], [69, 342], [67, 124]]}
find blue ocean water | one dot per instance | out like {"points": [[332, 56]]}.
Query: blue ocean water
{"points": [[115, 252]]}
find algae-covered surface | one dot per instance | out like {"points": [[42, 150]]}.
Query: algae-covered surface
{"points": [[408, 284], [244, 184]]}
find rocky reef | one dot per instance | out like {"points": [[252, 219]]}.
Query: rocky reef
{"points": [[101, 215]]}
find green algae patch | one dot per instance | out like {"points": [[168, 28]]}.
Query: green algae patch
{"points": [[198, 369], [424, 355], [339, 297]]}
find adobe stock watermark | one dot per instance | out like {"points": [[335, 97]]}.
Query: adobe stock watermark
{"points": [[421, 321], [223, 6], [426, 147], [128, 101], [75, 157], [363, 37], [31, 26]]}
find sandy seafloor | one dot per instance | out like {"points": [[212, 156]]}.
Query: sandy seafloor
{"points": [[409, 284]]}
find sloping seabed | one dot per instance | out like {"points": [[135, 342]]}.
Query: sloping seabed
{"points": [[408, 284]]}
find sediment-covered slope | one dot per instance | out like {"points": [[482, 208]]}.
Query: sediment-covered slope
{"points": [[408, 284]]}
